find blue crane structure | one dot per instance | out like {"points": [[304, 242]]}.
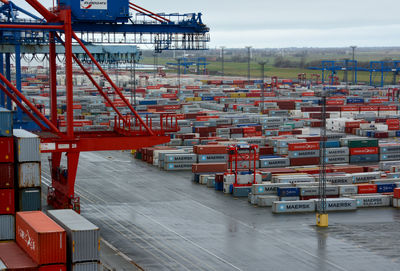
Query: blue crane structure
{"points": [[84, 23], [330, 68], [383, 69], [186, 62]]}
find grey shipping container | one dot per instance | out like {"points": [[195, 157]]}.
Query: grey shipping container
{"points": [[299, 206], [85, 266], [180, 158], [390, 156], [28, 174], [26, 146], [337, 151], [348, 189], [178, 166], [83, 237], [314, 190], [339, 204], [373, 201], [211, 158], [266, 201], [7, 227], [337, 159], [307, 153], [29, 199], [6, 122], [274, 162], [266, 188]]}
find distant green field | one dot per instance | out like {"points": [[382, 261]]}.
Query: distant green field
{"points": [[240, 68]]}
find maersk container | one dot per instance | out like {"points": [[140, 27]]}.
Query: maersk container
{"points": [[29, 174], [274, 162], [299, 206], [178, 166], [6, 122], [337, 159], [7, 227], [266, 188], [26, 146], [365, 177], [373, 201], [29, 199], [389, 157], [41, 238], [180, 158], [83, 237], [85, 266], [211, 158], [342, 151], [338, 204], [306, 153]]}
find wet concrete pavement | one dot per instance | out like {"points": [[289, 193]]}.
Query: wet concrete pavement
{"points": [[162, 221]]}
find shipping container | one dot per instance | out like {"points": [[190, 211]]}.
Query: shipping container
{"points": [[361, 143], [338, 204], [53, 267], [27, 146], [300, 206], [86, 266], [6, 175], [288, 191], [7, 227], [29, 199], [3, 267], [373, 201], [14, 258], [274, 162], [367, 188], [41, 238], [209, 167], [6, 150], [29, 174], [7, 201], [348, 189], [266, 201], [6, 122], [177, 166], [83, 237]]}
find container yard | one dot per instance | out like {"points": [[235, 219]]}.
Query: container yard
{"points": [[108, 163]]}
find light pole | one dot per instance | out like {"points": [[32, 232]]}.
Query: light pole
{"points": [[262, 64], [179, 75], [353, 47], [248, 62]]}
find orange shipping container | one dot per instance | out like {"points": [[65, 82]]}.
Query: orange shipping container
{"points": [[367, 188], [41, 238]]}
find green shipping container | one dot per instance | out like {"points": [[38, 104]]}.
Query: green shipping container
{"points": [[29, 199], [361, 143]]}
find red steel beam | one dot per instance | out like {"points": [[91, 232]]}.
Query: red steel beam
{"points": [[135, 9], [20, 105], [66, 16], [95, 83], [53, 78], [50, 17], [105, 143], [112, 84], [152, 13], [28, 103]]}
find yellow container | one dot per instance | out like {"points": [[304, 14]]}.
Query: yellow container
{"points": [[322, 220], [197, 99], [133, 152], [189, 99]]}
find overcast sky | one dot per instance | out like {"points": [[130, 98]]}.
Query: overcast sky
{"points": [[289, 23]]}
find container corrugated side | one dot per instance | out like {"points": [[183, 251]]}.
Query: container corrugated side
{"points": [[41, 238], [6, 175], [14, 258], [27, 146], [7, 227], [53, 267], [83, 237], [87, 266], [29, 174], [6, 122], [29, 199]]}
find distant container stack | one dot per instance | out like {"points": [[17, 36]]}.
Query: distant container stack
{"points": [[7, 192]]}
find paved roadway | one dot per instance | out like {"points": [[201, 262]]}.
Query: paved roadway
{"points": [[163, 221]]}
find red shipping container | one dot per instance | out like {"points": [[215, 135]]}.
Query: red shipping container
{"points": [[209, 167], [7, 202], [394, 127], [303, 146], [6, 175], [15, 258], [365, 150], [209, 149], [6, 149], [347, 169], [367, 189], [278, 170], [53, 267], [304, 161], [266, 150], [41, 238], [396, 193]]}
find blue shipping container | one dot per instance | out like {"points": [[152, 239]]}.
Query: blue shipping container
{"points": [[288, 191], [332, 144], [386, 188], [148, 102], [364, 158]]}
